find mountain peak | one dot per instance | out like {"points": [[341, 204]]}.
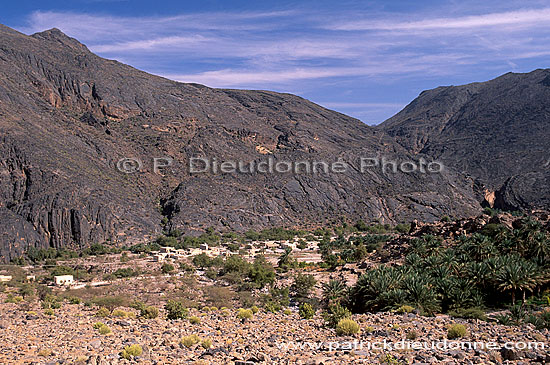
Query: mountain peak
{"points": [[57, 35]]}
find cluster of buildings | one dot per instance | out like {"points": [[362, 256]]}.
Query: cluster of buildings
{"points": [[263, 247], [171, 253], [60, 280]]}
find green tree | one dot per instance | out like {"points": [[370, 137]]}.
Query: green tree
{"points": [[261, 272]]}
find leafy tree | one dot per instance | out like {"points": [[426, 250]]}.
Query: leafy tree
{"points": [[261, 272], [303, 285], [175, 310]]}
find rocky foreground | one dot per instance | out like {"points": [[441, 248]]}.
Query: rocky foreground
{"points": [[69, 337]]}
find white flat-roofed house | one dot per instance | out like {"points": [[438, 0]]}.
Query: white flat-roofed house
{"points": [[5, 278], [64, 280]]}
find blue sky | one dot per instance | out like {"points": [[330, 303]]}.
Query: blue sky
{"points": [[367, 59]]}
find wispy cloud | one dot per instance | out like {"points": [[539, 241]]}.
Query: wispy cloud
{"points": [[308, 49], [472, 22]]}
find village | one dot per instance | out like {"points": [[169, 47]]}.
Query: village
{"points": [[302, 251]]}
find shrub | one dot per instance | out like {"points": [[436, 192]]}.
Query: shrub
{"points": [[254, 309], [103, 312], [126, 272], [49, 312], [98, 325], [194, 320], [119, 313], [412, 335], [306, 311], [167, 268], [74, 300], [244, 314], [404, 309], [261, 272], [334, 314], [456, 331], [347, 327], [218, 296], [149, 312], [189, 341], [131, 351], [104, 330], [206, 343], [175, 310], [287, 312], [302, 285]]}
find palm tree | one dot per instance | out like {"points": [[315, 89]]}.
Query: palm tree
{"points": [[519, 275], [284, 259], [334, 291]]}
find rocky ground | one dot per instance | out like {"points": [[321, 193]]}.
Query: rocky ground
{"points": [[69, 337]]}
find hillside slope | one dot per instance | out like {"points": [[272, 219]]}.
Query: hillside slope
{"points": [[497, 131], [67, 117]]}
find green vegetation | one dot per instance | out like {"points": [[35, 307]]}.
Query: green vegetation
{"points": [[149, 312], [131, 351], [102, 328], [462, 276], [109, 302], [190, 341], [456, 331], [347, 327], [276, 300], [302, 286], [244, 314], [206, 343], [334, 314], [167, 268], [175, 310], [306, 311]]}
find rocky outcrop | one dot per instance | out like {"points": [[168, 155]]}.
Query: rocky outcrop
{"points": [[497, 132], [68, 118]]}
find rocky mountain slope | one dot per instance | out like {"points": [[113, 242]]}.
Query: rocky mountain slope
{"points": [[67, 117], [497, 132]]}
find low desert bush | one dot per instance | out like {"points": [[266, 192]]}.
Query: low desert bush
{"points": [[306, 311], [456, 331], [190, 341], [175, 310], [206, 343], [149, 312], [131, 351], [347, 327], [244, 314], [404, 309]]}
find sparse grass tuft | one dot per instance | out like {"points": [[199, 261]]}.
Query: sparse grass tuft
{"points": [[346, 327]]}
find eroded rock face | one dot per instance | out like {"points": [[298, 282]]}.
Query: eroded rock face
{"points": [[67, 117], [495, 131]]}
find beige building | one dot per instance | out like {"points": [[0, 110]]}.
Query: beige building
{"points": [[5, 278], [64, 280]]}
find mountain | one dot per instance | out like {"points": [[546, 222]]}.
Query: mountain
{"points": [[68, 118], [497, 132]]}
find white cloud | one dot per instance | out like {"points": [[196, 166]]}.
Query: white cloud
{"points": [[520, 17], [289, 49]]}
